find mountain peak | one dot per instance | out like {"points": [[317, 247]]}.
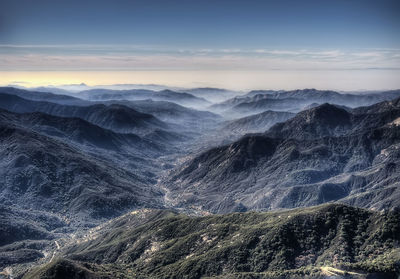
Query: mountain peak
{"points": [[319, 121], [326, 112]]}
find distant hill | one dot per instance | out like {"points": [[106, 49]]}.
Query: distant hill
{"points": [[256, 123], [212, 94], [81, 132], [43, 96], [297, 100], [118, 118], [169, 112], [185, 99]]}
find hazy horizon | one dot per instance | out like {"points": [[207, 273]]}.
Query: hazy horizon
{"points": [[232, 80], [341, 45], [120, 158]]}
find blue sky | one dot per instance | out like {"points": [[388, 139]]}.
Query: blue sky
{"points": [[207, 24], [56, 35]]}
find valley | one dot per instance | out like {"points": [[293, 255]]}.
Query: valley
{"points": [[199, 183]]}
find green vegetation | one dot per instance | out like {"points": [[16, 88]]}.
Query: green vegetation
{"points": [[311, 242]]}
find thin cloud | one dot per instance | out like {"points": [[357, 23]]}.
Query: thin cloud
{"points": [[134, 57]]}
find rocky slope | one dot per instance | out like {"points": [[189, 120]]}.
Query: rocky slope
{"points": [[323, 154], [42, 173], [49, 188]]}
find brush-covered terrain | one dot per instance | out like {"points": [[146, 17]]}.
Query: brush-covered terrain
{"points": [[301, 243]]}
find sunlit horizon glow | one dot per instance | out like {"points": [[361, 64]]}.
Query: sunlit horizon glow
{"points": [[353, 80], [236, 69]]}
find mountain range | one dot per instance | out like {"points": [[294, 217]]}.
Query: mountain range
{"points": [[181, 98], [138, 183], [322, 154], [296, 100]]}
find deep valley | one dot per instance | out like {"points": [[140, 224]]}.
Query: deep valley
{"points": [[199, 183]]}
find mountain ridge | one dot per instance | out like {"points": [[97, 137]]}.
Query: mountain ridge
{"points": [[286, 244], [254, 171], [115, 117]]}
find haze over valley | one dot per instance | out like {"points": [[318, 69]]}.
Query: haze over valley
{"points": [[199, 139], [72, 160]]}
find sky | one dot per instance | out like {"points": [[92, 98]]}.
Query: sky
{"points": [[342, 44]]}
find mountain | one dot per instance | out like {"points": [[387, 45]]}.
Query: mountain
{"points": [[70, 87], [263, 92], [213, 95], [60, 175], [315, 242], [76, 88], [118, 118], [72, 171], [43, 96], [166, 111], [14, 225], [320, 155], [321, 121], [256, 123], [49, 189], [229, 131], [82, 133], [333, 97], [297, 100], [51, 89], [265, 103], [184, 117], [25, 234], [332, 120], [244, 106], [42, 173], [227, 104], [184, 99]]}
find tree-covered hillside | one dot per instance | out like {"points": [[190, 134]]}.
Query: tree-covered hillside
{"points": [[312, 242]]}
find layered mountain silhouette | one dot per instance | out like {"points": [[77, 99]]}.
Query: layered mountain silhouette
{"points": [[212, 94], [43, 96], [143, 94], [114, 117], [188, 120], [297, 100], [124, 183], [256, 123], [80, 132]]}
